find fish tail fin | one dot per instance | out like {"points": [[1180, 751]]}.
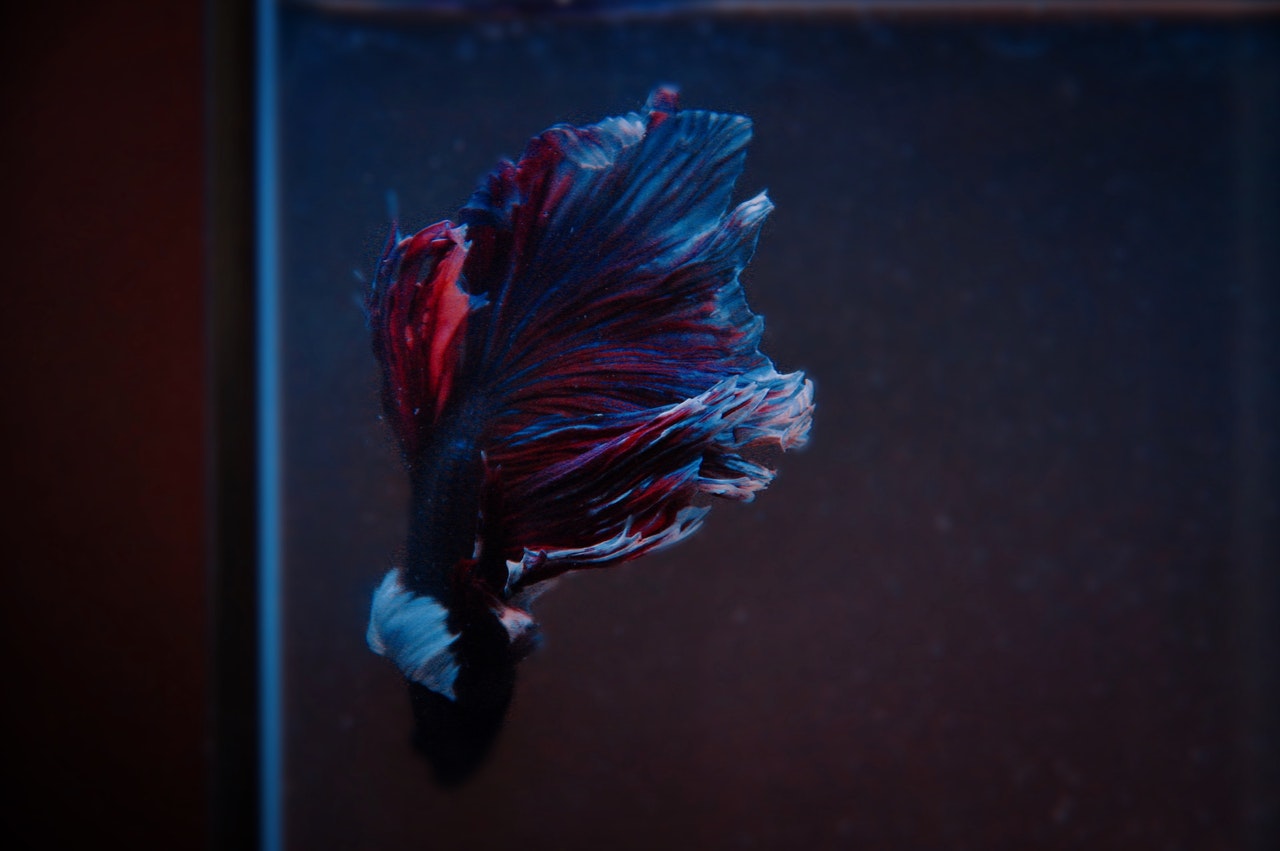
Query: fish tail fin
{"points": [[619, 347]]}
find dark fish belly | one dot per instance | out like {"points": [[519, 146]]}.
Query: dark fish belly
{"points": [[445, 508]]}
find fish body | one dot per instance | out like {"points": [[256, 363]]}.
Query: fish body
{"points": [[571, 370]]}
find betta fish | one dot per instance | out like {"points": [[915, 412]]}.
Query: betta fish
{"points": [[571, 371]]}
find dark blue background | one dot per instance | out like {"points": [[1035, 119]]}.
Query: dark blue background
{"points": [[1005, 599]]}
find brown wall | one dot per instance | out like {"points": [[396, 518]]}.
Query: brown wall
{"points": [[104, 616]]}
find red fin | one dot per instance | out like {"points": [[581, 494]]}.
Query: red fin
{"points": [[418, 313]]}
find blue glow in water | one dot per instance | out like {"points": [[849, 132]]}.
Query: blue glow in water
{"points": [[271, 834]]}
